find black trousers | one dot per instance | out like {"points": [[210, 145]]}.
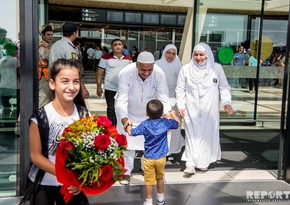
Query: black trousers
{"points": [[252, 82], [110, 100]]}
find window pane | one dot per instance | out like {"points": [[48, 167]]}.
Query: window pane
{"points": [[133, 17], [181, 19], [9, 95], [168, 19], [151, 18], [115, 16]]}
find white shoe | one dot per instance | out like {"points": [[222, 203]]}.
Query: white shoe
{"points": [[203, 169], [189, 170]]}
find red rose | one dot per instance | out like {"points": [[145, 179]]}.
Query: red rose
{"points": [[106, 173], [102, 142], [122, 140], [64, 147], [112, 131], [104, 121]]}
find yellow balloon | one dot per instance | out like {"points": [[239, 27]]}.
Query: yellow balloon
{"points": [[266, 49]]}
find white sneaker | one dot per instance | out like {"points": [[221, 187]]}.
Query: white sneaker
{"points": [[189, 170]]}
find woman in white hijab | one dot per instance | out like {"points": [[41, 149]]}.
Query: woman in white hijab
{"points": [[171, 65], [200, 86]]}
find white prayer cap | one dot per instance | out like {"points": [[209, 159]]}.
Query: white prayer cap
{"points": [[145, 57]]}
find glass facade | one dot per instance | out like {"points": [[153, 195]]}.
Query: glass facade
{"points": [[9, 95], [225, 32], [217, 23]]}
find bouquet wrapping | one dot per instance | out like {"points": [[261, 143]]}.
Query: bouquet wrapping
{"points": [[90, 156]]}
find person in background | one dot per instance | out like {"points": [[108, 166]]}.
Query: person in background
{"points": [[9, 78], [201, 84], [65, 49], [3, 38], [154, 131], [45, 94], [126, 51], [238, 60], [135, 53], [98, 56], [171, 66], [91, 58], [68, 102], [282, 64], [77, 44], [252, 61], [157, 54], [105, 50], [111, 64], [138, 83]]}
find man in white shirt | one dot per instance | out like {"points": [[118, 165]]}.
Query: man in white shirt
{"points": [[138, 83], [98, 55], [111, 64], [91, 59]]}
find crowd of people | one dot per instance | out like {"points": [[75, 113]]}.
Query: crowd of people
{"points": [[147, 97], [243, 57]]}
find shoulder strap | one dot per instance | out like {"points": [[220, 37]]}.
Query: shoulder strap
{"points": [[82, 111], [43, 127]]}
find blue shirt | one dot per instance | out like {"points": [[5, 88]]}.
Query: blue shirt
{"points": [[239, 58], [155, 134]]}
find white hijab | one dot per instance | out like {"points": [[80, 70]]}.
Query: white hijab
{"points": [[171, 69], [201, 71]]}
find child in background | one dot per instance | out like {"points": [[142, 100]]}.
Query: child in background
{"points": [[155, 131], [68, 106]]}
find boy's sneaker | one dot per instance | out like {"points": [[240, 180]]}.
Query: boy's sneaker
{"points": [[125, 180], [160, 203]]}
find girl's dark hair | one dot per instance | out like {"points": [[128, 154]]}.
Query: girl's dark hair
{"points": [[56, 68], [154, 109]]}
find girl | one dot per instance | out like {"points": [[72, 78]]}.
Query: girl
{"points": [[47, 124]]}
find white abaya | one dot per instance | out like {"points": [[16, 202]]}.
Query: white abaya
{"points": [[198, 91], [171, 70]]}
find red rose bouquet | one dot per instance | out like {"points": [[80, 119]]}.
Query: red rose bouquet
{"points": [[90, 156]]}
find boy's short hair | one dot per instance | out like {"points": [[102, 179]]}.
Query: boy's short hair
{"points": [[154, 109], [47, 28]]}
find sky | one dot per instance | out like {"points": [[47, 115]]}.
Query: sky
{"points": [[8, 18]]}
